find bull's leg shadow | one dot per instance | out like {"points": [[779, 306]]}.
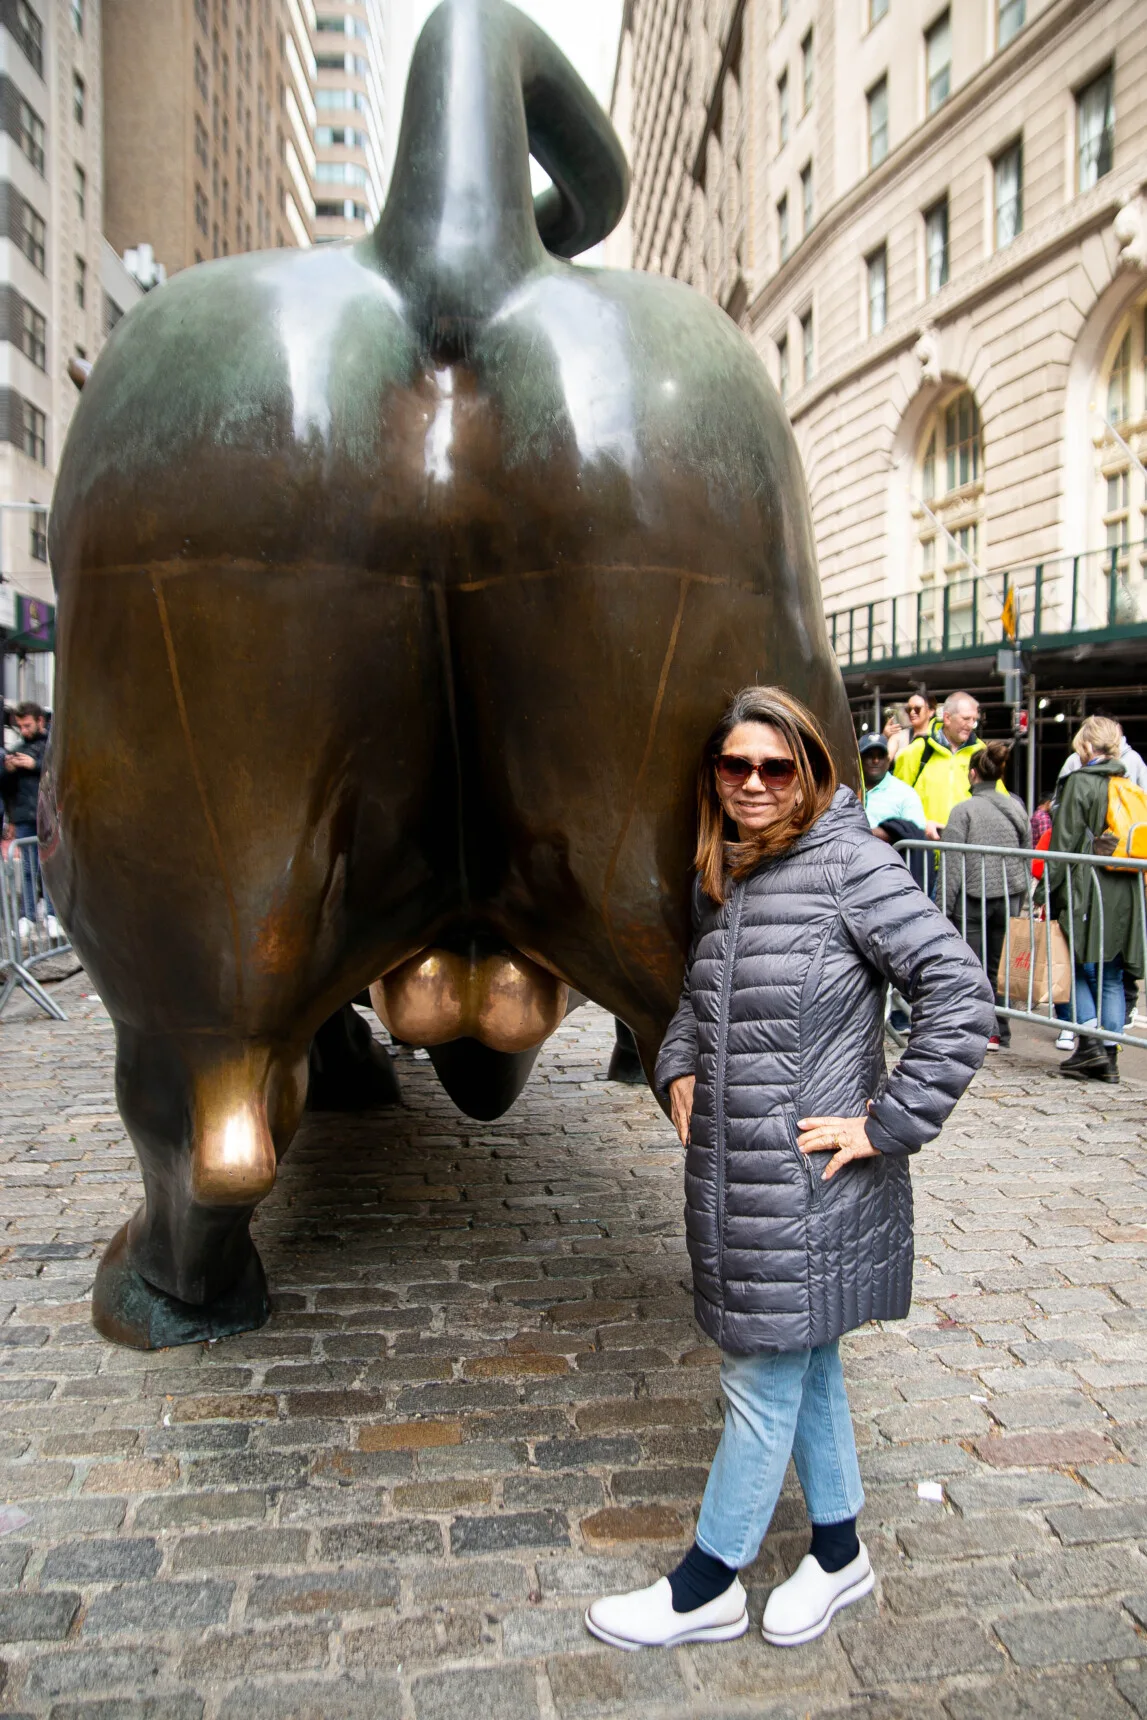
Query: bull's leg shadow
{"points": [[349, 1069], [209, 1117]]}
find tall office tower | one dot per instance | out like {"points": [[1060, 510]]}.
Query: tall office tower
{"points": [[351, 140], [51, 304], [209, 111]]}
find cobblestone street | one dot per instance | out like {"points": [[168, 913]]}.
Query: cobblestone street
{"points": [[482, 1399]]}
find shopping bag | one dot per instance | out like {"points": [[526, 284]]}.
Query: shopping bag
{"points": [[1026, 955]]}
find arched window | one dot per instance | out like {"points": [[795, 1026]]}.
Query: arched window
{"points": [[1121, 442], [948, 517]]}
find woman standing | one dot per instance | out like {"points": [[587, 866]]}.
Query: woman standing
{"points": [[980, 894], [798, 1200], [1113, 938]]}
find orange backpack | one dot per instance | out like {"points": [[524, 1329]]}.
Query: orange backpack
{"points": [[1126, 820]]}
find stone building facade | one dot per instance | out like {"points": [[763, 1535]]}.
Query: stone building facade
{"points": [[929, 217], [51, 285]]}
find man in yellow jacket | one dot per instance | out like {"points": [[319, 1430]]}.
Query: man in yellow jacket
{"points": [[936, 765]]}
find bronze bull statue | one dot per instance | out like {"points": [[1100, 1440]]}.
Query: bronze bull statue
{"points": [[399, 582]]}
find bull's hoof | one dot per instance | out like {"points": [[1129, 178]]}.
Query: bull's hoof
{"points": [[625, 1063], [350, 1070], [127, 1310]]}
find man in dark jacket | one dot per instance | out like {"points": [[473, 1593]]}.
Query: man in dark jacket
{"points": [[21, 790]]}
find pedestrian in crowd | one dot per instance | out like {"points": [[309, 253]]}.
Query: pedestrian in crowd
{"points": [[920, 710], [1039, 824], [1114, 937], [886, 798], [936, 763], [982, 893], [1131, 761], [798, 1198], [21, 790]]}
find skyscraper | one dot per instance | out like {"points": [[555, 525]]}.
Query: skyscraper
{"points": [[208, 128], [351, 153], [51, 302]]}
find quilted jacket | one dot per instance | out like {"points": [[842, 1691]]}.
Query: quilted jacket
{"points": [[781, 1017]]}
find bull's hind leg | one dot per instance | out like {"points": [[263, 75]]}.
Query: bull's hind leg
{"points": [[350, 1070], [209, 1117]]}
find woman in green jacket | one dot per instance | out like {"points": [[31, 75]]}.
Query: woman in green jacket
{"points": [[1116, 940]]}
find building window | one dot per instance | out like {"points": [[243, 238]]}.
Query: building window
{"points": [[201, 15], [339, 173], [1120, 485], [783, 228], [35, 434], [78, 16], [877, 100], [34, 336], [32, 136], [783, 109], [353, 99], [201, 140], [806, 73], [1119, 383], [1010, 20], [1008, 179], [81, 193], [806, 348], [200, 72], [936, 246], [948, 524], [79, 98], [201, 209], [876, 267], [29, 34], [783, 367], [38, 536], [81, 284], [877, 9], [1095, 126], [339, 137], [938, 61], [806, 198], [33, 238]]}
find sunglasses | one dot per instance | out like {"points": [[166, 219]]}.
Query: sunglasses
{"points": [[915, 710], [735, 772]]}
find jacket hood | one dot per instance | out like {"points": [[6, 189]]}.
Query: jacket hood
{"points": [[1105, 767]]}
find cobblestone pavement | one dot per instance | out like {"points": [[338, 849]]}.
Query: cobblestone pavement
{"points": [[482, 1398]]}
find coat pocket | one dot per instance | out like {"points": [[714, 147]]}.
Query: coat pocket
{"points": [[811, 1164]]}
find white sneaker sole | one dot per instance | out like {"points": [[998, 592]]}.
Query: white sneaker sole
{"points": [[845, 1598], [707, 1633]]}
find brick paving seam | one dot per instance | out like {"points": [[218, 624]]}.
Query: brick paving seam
{"points": [[482, 1399]]}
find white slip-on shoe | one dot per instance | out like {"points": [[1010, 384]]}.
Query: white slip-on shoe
{"points": [[803, 1607], [644, 1618]]}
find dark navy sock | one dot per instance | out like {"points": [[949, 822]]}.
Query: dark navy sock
{"points": [[835, 1545], [699, 1578]]}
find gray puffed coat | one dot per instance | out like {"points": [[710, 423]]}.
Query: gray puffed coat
{"points": [[782, 1017]]}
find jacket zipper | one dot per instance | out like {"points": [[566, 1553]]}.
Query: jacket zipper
{"points": [[722, 1051]]}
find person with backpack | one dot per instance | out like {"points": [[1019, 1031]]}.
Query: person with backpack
{"points": [[982, 892], [937, 763], [1097, 807]]}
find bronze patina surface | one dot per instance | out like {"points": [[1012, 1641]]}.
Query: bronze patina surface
{"points": [[399, 583]]}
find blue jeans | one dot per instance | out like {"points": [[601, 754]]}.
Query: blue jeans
{"points": [[33, 878], [779, 1406], [1112, 1012]]}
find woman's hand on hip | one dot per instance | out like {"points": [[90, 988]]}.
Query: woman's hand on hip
{"points": [[681, 1105], [844, 1137]]}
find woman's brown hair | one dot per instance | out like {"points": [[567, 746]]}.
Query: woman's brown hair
{"points": [[720, 857], [991, 761]]}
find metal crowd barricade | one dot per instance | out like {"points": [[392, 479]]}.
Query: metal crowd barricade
{"points": [[27, 939], [976, 864]]}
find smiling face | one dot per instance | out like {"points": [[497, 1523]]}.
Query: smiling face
{"points": [[960, 718], [757, 802], [918, 714]]}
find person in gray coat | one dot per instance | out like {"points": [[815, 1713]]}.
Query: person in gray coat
{"points": [[982, 892], [798, 1200]]}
